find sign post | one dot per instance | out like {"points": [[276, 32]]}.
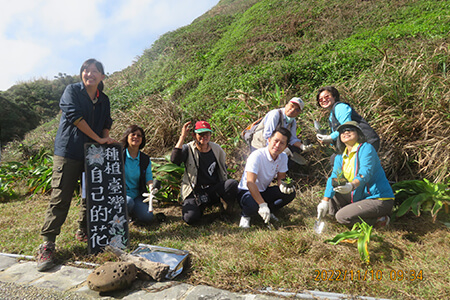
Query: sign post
{"points": [[107, 217]]}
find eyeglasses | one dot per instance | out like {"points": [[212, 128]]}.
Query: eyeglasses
{"points": [[324, 98], [351, 129], [136, 135]]}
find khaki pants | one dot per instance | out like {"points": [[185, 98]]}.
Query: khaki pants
{"points": [[368, 209], [66, 173]]}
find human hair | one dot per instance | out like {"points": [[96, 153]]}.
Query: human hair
{"points": [[332, 90], [99, 67], [284, 131], [128, 131], [340, 146]]}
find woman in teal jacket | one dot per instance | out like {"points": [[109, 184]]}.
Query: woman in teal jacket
{"points": [[367, 193]]}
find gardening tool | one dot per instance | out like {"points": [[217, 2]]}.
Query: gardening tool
{"points": [[319, 225], [297, 158], [317, 126]]}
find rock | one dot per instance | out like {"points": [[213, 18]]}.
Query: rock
{"points": [[112, 276]]}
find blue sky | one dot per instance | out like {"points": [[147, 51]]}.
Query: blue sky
{"points": [[40, 38]]}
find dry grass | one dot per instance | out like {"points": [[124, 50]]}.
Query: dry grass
{"points": [[160, 119], [407, 102], [288, 258]]}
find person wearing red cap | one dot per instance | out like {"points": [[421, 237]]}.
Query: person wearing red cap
{"points": [[205, 179]]}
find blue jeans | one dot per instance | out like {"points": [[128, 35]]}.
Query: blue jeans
{"points": [[272, 195], [139, 210]]}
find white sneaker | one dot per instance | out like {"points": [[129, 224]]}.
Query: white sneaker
{"points": [[245, 222]]}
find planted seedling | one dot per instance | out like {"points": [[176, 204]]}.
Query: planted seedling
{"points": [[360, 233], [287, 181], [339, 180]]}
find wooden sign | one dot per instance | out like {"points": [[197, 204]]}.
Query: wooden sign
{"points": [[107, 216]]}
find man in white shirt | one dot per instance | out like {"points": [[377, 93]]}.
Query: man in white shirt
{"points": [[263, 165]]}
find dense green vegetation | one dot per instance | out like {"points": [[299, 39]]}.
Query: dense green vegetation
{"points": [[243, 58], [26, 105]]}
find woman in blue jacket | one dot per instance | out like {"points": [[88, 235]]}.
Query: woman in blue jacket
{"points": [[86, 117], [328, 98], [367, 193]]}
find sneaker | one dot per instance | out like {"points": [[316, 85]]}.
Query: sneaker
{"points": [[81, 235], [382, 222], [245, 222], [46, 256]]}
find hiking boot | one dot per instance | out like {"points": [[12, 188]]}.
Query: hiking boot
{"points": [[46, 256], [81, 236], [245, 222], [382, 222]]}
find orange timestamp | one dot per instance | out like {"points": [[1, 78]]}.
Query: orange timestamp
{"points": [[365, 275]]}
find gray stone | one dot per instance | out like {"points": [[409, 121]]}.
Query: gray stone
{"points": [[22, 272], [64, 279], [162, 291], [6, 262], [209, 293]]}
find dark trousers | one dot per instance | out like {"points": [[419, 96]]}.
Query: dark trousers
{"points": [[66, 173], [368, 209], [272, 195], [192, 209]]}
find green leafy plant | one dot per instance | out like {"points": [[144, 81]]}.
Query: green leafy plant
{"points": [[339, 180], [6, 192], [36, 172], [170, 176], [421, 195], [288, 181], [360, 233]]}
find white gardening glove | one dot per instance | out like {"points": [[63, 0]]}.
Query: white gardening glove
{"points": [[285, 189], [322, 209], [344, 189], [324, 138], [306, 148], [149, 197], [264, 212]]}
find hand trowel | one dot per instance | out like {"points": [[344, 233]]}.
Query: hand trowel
{"points": [[319, 225]]}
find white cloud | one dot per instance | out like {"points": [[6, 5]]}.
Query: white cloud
{"points": [[41, 38]]}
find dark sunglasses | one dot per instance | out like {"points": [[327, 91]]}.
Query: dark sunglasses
{"points": [[348, 129]]}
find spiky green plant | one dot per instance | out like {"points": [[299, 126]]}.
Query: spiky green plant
{"points": [[361, 233]]}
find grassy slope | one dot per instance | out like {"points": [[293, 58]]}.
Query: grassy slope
{"points": [[245, 57]]}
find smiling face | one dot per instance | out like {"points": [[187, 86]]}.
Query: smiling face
{"points": [[349, 136], [292, 110], [203, 138], [326, 100], [277, 144], [91, 76], [135, 139]]}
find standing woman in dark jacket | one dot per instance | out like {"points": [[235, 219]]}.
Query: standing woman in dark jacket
{"points": [[138, 174], [86, 117]]}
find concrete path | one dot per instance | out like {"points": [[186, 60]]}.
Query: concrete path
{"points": [[19, 278]]}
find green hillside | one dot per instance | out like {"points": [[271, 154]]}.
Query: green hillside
{"points": [[242, 58]]}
